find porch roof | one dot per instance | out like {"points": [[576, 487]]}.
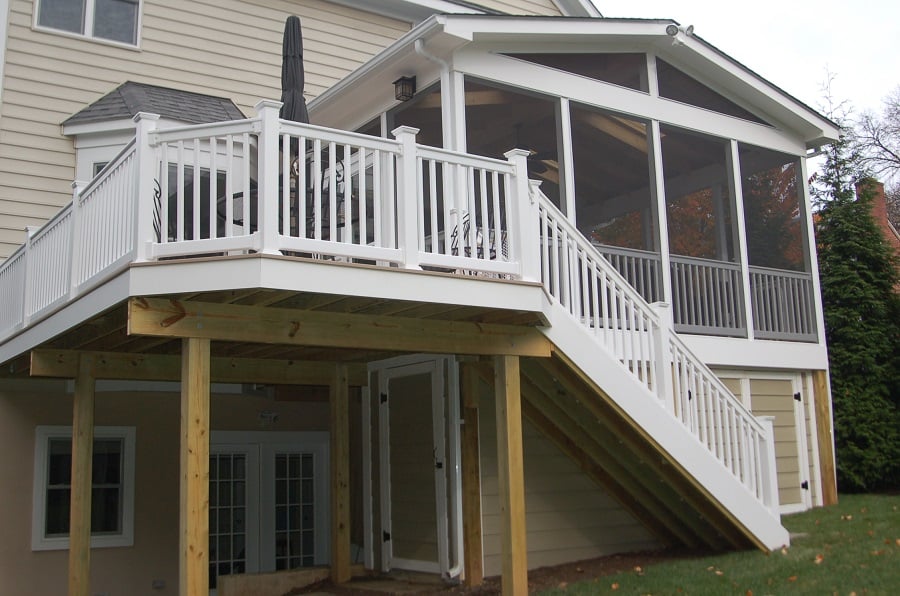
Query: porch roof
{"points": [[437, 39]]}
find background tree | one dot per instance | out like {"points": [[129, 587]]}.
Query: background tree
{"points": [[862, 324], [878, 139]]}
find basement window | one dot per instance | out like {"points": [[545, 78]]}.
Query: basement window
{"points": [[112, 490], [108, 20]]}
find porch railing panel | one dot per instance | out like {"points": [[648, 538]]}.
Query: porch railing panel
{"points": [[49, 264], [104, 215], [12, 291], [640, 267], [782, 304], [465, 211], [707, 297], [595, 294]]}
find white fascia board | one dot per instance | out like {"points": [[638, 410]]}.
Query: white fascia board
{"points": [[109, 127], [414, 11], [742, 354]]}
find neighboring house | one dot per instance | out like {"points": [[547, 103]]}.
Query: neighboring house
{"points": [[286, 345]]}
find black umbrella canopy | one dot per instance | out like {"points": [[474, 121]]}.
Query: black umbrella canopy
{"points": [[292, 76]]}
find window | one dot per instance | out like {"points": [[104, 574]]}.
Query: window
{"points": [[112, 492], [111, 20]]}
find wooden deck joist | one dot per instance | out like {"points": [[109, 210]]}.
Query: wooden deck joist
{"points": [[268, 325]]}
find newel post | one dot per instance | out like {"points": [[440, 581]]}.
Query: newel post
{"points": [[146, 185], [76, 241], [526, 233], [662, 348], [767, 464], [407, 197], [267, 178]]}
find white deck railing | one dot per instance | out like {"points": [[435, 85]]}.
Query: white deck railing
{"points": [[270, 186], [640, 337]]}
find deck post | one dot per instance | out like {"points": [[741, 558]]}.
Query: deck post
{"points": [[407, 203], [82, 456], [340, 475], [510, 476], [473, 558], [147, 166], [825, 436], [194, 489], [662, 337], [267, 180], [526, 229]]}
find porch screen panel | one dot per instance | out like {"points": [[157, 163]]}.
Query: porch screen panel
{"points": [[707, 292], [614, 204]]}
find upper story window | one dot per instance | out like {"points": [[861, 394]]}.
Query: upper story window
{"points": [[111, 20]]}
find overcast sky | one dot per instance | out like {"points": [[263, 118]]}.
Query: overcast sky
{"points": [[792, 43]]}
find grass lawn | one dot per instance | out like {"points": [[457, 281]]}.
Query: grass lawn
{"points": [[849, 548]]}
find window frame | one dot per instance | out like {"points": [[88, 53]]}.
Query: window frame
{"points": [[88, 33], [42, 436]]}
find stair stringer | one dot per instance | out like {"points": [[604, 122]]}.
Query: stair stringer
{"points": [[730, 499]]}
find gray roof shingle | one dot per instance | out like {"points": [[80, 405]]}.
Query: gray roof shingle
{"points": [[129, 98]]}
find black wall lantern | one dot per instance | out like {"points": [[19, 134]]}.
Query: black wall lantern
{"points": [[404, 88]]}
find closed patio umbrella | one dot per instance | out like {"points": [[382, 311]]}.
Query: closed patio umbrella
{"points": [[292, 75]]}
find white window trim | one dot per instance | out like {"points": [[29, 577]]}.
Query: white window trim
{"points": [[89, 27], [42, 437]]}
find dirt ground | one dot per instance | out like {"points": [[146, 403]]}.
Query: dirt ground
{"points": [[538, 579]]}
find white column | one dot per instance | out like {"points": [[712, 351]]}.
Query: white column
{"points": [[734, 165], [768, 470], [267, 178], [813, 262], [407, 197], [145, 185], [659, 195], [568, 160]]}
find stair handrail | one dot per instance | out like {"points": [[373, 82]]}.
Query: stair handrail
{"points": [[647, 346]]}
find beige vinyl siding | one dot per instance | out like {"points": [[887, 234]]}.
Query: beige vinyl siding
{"points": [[228, 48], [775, 397], [568, 517], [523, 7]]}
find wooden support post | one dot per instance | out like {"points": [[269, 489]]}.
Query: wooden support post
{"points": [[471, 477], [194, 490], [510, 474], [825, 437], [80, 503], [340, 475]]}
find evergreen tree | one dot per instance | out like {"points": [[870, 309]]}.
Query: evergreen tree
{"points": [[862, 325]]}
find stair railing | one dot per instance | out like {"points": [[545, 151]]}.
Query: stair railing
{"points": [[641, 338]]}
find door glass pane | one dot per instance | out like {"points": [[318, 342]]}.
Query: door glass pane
{"points": [[227, 514], [294, 511]]}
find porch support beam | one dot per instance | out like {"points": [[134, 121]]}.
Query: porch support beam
{"points": [[340, 475], [238, 323], [80, 503], [194, 490], [825, 437], [160, 367], [510, 475], [473, 558]]}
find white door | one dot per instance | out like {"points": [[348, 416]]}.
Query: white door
{"points": [[413, 468]]}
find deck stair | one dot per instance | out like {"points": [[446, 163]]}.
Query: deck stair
{"points": [[625, 397]]}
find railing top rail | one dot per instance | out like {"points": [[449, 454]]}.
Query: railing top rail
{"points": [[780, 272], [588, 249], [192, 131], [621, 250], [339, 136], [111, 165], [716, 263], [11, 259], [465, 159]]}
